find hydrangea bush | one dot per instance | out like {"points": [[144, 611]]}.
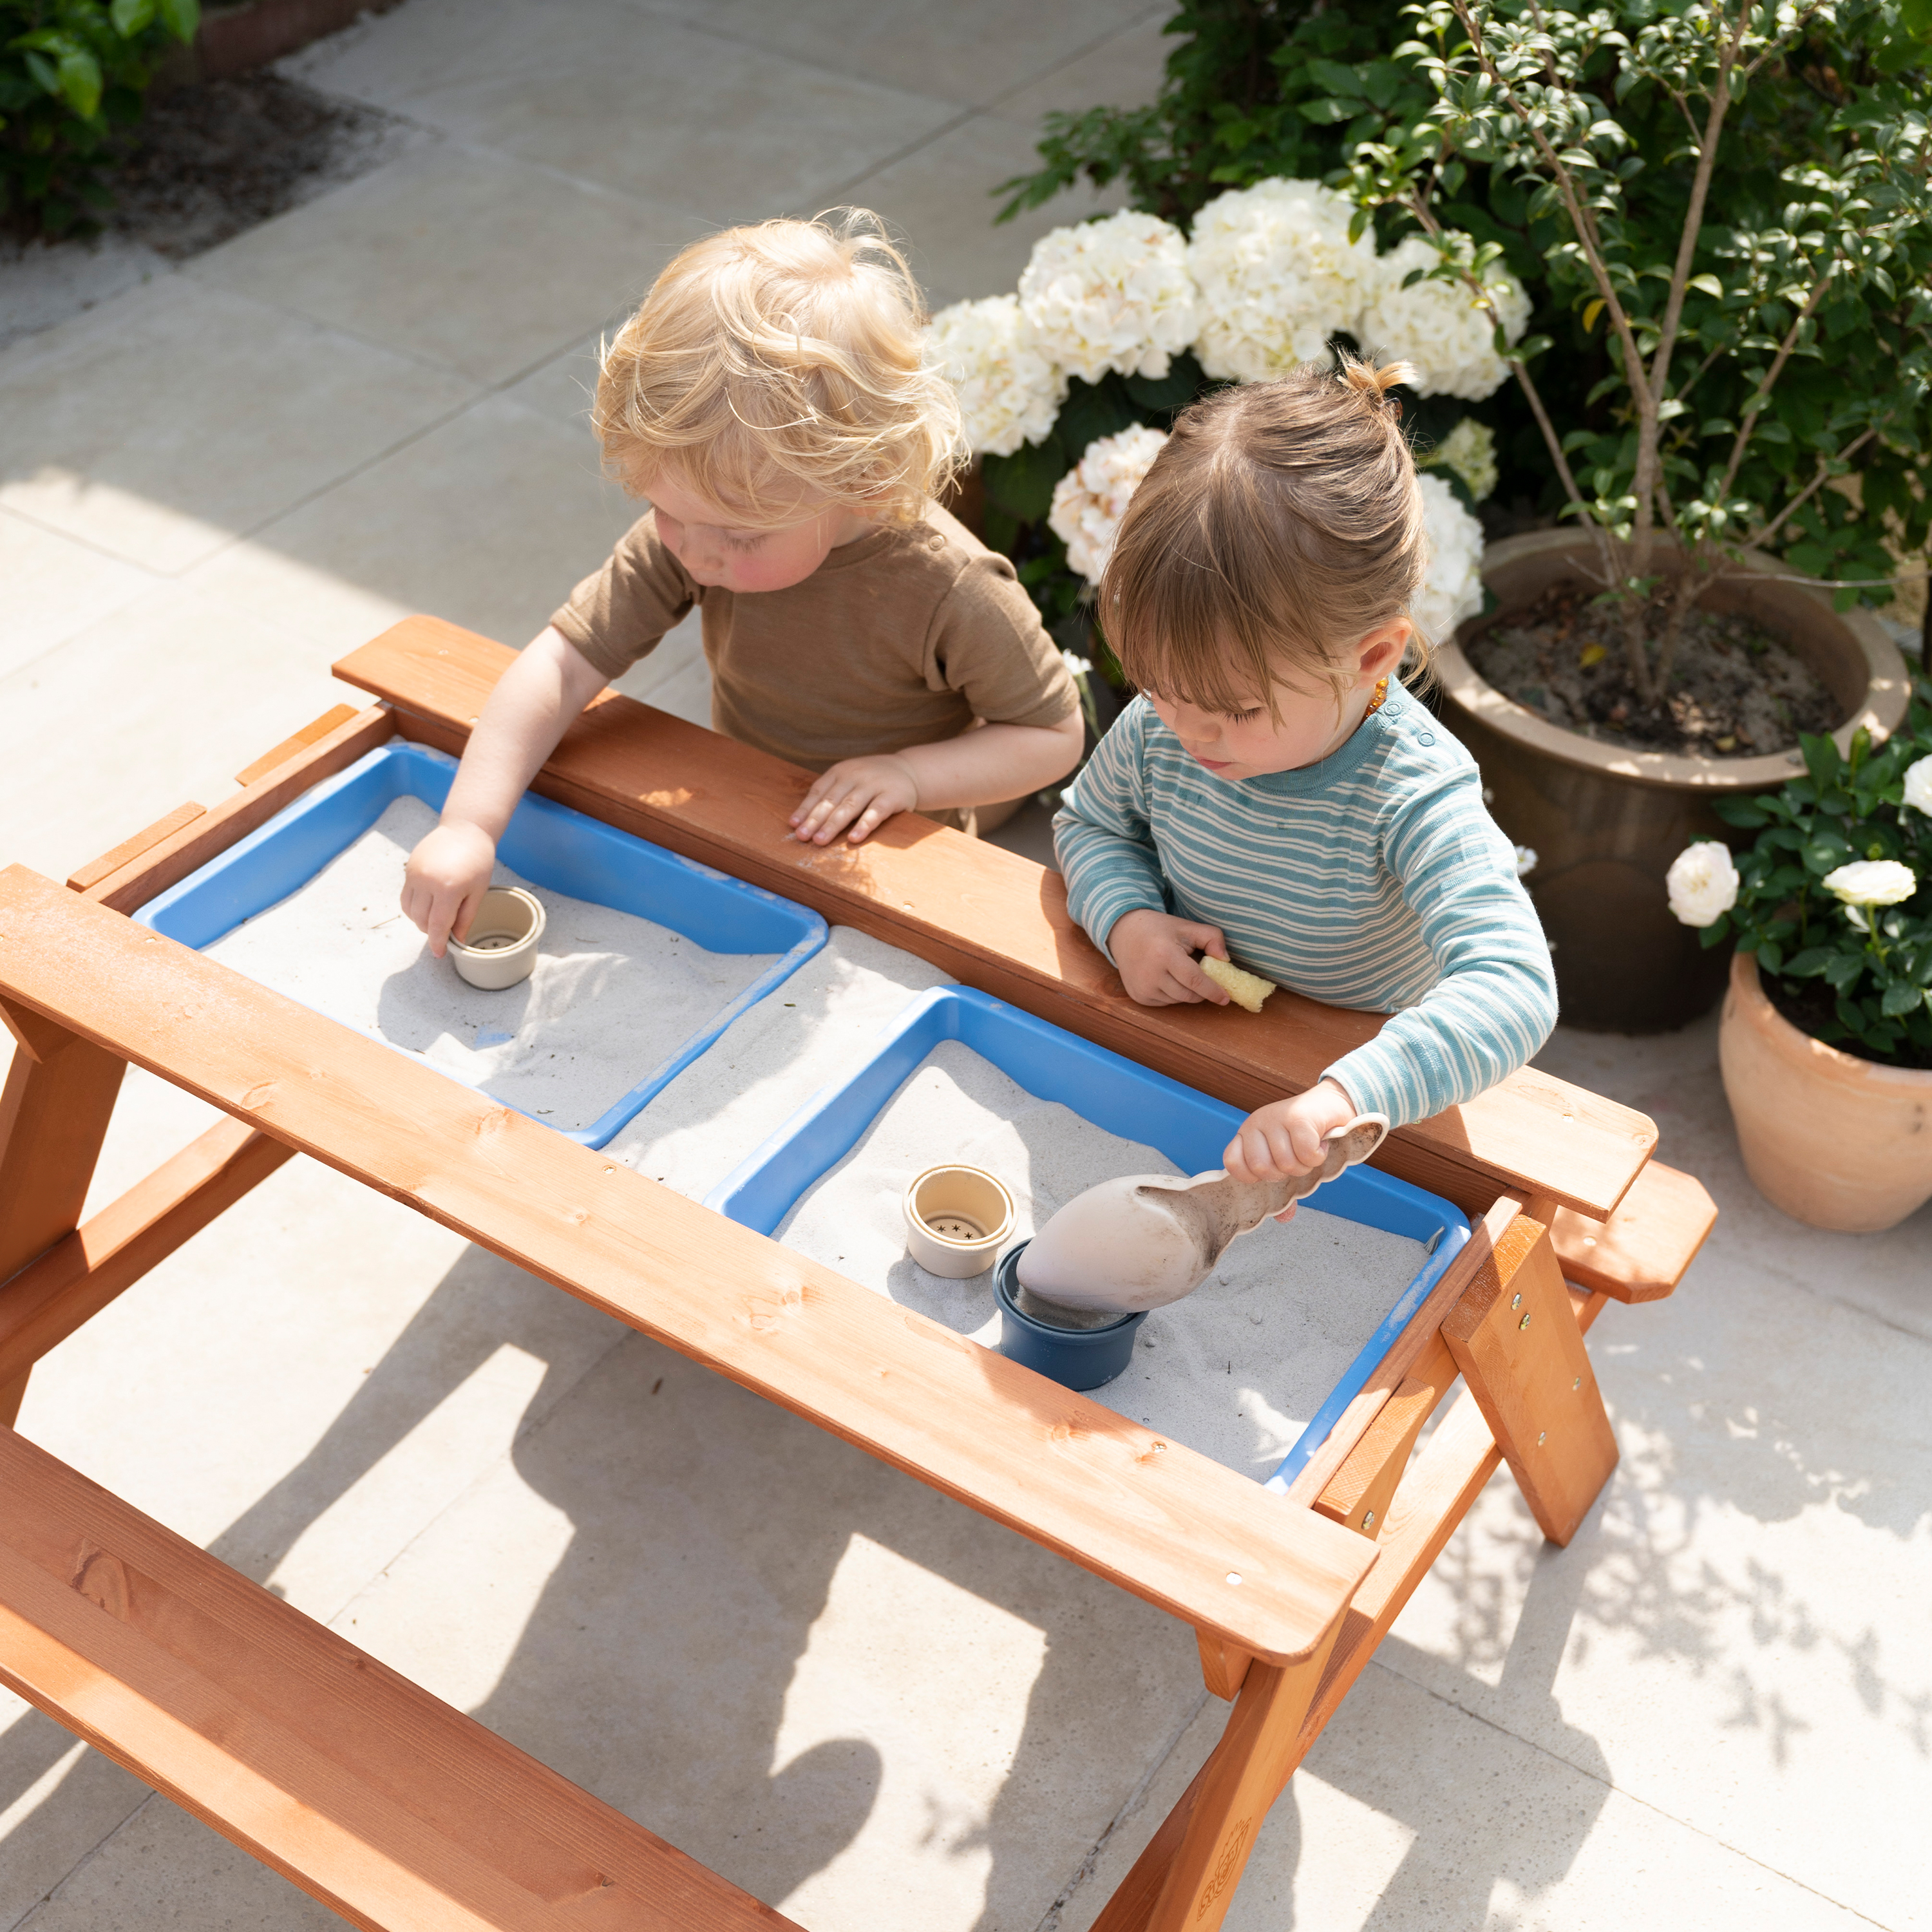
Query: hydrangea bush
{"points": [[1835, 897], [1069, 386]]}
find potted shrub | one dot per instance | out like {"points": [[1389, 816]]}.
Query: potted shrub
{"points": [[1826, 1037], [1731, 205]]}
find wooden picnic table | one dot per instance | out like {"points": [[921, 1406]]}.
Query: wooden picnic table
{"points": [[1287, 1597]]}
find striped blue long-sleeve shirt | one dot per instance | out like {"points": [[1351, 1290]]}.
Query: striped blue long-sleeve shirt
{"points": [[1374, 880]]}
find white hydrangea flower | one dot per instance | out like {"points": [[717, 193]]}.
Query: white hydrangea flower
{"points": [[1469, 450], [1918, 786], [1278, 277], [1440, 326], [1452, 587], [1110, 295], [1703, 882], [1009, 391], [1089, 500], [1870, 882]]}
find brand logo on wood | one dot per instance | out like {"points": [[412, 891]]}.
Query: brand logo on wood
{"points": [[1227, 1868]]}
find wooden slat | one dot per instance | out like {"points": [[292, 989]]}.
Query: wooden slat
{"points": [[1253, 1761], [1640, 1253], [95, 870], [171, 860], [54, 1112], [1420, 1336], [997, 922], [1521, 1352], [76, 1278], [1359, 1493], [395, 1811], [1168, 1527], [298, 741], [1223, 1668]]}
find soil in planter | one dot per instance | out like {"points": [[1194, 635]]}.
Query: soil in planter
{"points": [[209, 161], [1812, 1007], [205, 163], [1739, 690]]}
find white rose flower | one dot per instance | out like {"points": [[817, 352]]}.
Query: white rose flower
{"points": [[1440, 326], [1453, 589], [1469, 452], [1703, 882], [1918, 786], [1870, 882], [1110, 295], [1009, 391], [1278, 277], [1089, 500]]}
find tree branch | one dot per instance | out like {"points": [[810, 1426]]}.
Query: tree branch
{"points": [[1749, 423], [1771, 530]]}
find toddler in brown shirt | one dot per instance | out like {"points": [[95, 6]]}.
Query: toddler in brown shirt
{"points": [[771, 397]]}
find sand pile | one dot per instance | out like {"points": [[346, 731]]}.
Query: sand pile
{"points": [[1236, 1371], [612, 997]]}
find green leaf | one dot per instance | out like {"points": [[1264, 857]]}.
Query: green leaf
{"points": [[80, 82], [1845, 969], [1809, 963], [1325, 113], [1339, 80], [1021, 484], [181, 17], [1771, 956], [1899, 999], [131, 16], [1708, 285]]}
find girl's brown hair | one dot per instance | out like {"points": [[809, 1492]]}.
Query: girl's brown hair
{"points": [[1281, 522]]}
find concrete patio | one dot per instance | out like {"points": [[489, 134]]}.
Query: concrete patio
{"points": [[864, 1703]]}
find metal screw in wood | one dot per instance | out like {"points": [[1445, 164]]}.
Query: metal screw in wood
{"points": [[1524, 1323], [1369, 1521]]}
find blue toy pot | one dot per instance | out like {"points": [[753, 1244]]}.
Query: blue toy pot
{"points": [[1076, 1358]]}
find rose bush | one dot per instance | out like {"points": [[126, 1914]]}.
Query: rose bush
{"points": [[1834, 896]]}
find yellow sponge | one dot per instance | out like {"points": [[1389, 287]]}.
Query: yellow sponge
{"points": [[1245, 989]]}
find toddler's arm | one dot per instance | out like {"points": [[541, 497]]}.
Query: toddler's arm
{"points": [[1115, 888], [1495, 1001], [978, 767], [529, 710]]}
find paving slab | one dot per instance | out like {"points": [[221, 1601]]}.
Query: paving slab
{"points": [[160, 425], [642, 103], [488, 520], [56, 585], [1123, 71], [969, 54], [484, 264]]}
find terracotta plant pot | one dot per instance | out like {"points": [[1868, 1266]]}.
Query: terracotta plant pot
{"points": [[1834, 1141], [1606, 822]]}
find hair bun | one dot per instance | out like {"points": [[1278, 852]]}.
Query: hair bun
{"points": [[1373, 385]]}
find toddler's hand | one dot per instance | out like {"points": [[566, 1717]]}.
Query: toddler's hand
{"points": [[1155, 953], [1284, 1139], [448, 874], [862, 792]]}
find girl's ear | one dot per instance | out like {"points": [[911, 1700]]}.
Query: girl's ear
{"points": [[1378, 653]]}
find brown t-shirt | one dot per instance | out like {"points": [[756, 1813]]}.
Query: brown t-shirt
{"points": [[903, 636]]}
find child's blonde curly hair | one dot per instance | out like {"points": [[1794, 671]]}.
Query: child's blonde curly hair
{"points": [[781, 364]]}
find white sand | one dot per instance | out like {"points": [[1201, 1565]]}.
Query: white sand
{"points": [[1236, 1371], [612, 997]]}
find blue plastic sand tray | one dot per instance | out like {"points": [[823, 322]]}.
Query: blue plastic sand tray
{"points": [[646, 957], [1253, 1369]]}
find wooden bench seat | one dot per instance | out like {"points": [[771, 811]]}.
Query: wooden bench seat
{"points": [[392, 1809]]}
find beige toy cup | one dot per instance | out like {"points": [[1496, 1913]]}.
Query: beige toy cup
{"points": [[956, 1218], [501, 947]]}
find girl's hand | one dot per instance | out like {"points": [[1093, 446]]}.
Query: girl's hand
{"points": [[862, 792], [448, 874], [1155, 953], [1285, 1139]]}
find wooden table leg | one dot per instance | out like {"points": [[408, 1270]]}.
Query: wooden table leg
{"points": [[1184, 1881], [1514, 1336], [59, 1095]]}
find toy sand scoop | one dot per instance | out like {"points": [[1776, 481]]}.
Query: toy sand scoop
{"points": [[1143, 1240]]}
